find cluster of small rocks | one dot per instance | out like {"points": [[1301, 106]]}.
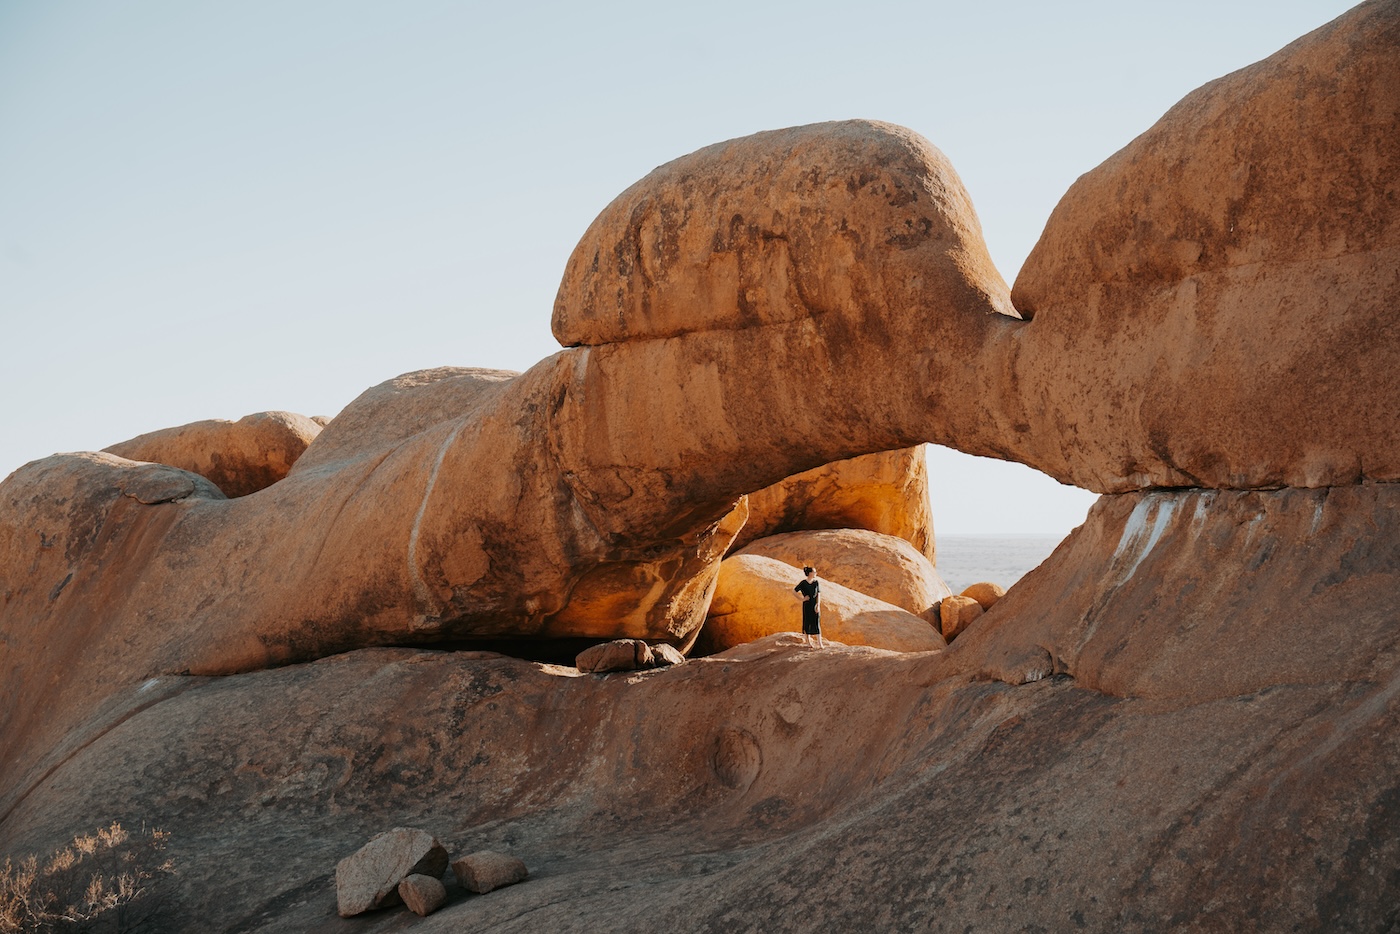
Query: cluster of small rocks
{"points": [[405, 866], [627, 655], [956, 613]]}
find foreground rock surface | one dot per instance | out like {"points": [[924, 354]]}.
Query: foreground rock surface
{"points": [[880, 566], [755, 599], [370, 877]]}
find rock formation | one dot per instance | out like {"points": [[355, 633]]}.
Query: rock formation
{"points": [[1184, 719], [239, 457], [754, 598], [590, 497]]}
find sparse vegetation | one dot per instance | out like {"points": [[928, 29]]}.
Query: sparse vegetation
{"points": [[103, 881]]}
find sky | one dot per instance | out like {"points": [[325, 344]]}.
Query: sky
{"points": [[210, 209]]}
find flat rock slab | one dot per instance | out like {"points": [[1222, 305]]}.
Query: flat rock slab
{"points": [[485, 870], [370, 877]]}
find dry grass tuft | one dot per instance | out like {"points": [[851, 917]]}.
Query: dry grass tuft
{"points": [[101, 881]]}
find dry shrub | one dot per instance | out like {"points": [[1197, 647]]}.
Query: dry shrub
{"points": [[104, 881]]}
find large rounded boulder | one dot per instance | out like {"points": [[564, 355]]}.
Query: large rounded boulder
{"points": [[755, 598], [239, 457], [880, 566]]}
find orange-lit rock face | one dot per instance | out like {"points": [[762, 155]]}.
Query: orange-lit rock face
{"points": [[239, 457], [885, 492], [957, 613], [1234, 270]]}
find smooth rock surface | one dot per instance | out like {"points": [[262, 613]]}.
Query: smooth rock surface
{"points": [[239, 457], [885, 492], [369, 877], [755, 599], [486, 870], [753, 231], [879, 566]]}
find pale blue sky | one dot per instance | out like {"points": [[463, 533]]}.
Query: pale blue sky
{"points": [[212, 209]]}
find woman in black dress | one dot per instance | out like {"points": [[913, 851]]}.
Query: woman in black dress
{"points": [[810, 592]]}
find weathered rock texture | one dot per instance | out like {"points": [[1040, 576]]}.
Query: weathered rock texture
{"points": [[880, 566], [663, 655], [1183, 720], [239, 457], [755, 598], [885, 492]]}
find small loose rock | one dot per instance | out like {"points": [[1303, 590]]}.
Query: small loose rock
{"points": [[617, 655], [664, 655], [369, 878], [486, 870], [956, 614], [422, 894]]}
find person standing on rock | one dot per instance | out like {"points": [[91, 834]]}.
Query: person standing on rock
{"points": [[810, 592]]}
